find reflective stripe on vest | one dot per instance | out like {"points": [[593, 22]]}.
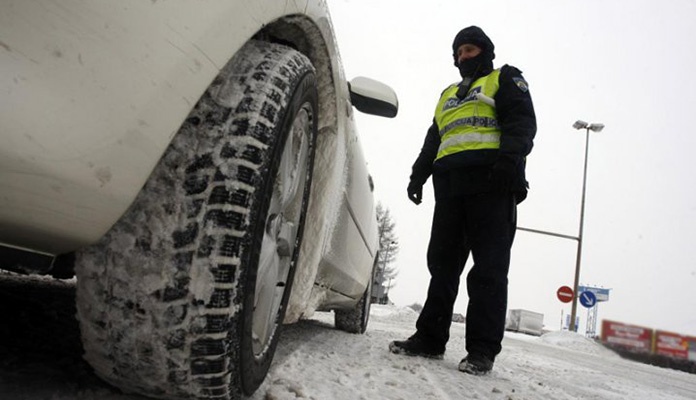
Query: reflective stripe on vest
{"points": [[469, 123]]}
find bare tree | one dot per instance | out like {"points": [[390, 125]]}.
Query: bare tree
{"points": [[388, 249]]}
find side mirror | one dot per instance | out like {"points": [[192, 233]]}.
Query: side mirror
{"points": [[373, 97]]}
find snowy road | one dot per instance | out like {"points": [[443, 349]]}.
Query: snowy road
{"points": [[334, 365], [40, 360]]}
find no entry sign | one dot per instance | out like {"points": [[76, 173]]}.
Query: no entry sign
{"points": [[565, 294]]}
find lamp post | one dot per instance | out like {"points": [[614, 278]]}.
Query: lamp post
{"points": [[595, 127]]}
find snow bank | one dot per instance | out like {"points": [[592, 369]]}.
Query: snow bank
{"points": [[576, 342], [393, 313]]}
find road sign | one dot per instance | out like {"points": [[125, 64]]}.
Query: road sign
{"points": [[565, 294], [602, 294], [588, 299]]}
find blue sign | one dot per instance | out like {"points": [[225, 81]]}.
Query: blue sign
{"points": [[602, 294], [588, 299], [567, 322]]}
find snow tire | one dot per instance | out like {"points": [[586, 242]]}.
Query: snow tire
{"points": [[355, 320], [184, 297]]}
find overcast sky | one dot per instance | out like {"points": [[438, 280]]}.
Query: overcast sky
{"points": [[630, 64]]}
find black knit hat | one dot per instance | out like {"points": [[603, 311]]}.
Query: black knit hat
{"points": [[473, 35]]}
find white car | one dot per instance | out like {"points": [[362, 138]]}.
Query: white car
{"points": [[193, 161]]}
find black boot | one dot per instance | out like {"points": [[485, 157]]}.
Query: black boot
{"points": [[475, 364], [416, 346]]}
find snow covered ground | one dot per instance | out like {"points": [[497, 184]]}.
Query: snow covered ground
{"points": [[315, 361], [40, 360]]}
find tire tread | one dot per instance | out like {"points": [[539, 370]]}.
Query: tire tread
{"points": [[203, 193]]}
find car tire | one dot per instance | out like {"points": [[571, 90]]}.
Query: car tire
{"points": [[185, 296], [355, 320]]}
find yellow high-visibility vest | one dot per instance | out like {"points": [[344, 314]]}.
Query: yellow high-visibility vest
{"points": [[469, 123]]}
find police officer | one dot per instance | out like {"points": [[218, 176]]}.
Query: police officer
{"points": [[475, 151]]}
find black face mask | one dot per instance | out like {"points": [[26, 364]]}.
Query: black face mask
{"points": [[480, 65]]}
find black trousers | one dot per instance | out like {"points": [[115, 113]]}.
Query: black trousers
{"points": [[483, 225]]}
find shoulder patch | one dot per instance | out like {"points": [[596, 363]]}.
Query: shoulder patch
{"points": [[521, 83]]}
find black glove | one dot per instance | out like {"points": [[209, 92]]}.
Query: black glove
{"points": [[415, 192], [503, 175]]}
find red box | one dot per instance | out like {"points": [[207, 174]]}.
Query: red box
{"points": [[671, 344], [633, 337]]}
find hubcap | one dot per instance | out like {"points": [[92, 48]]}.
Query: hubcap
{"points": [[280, 233]]}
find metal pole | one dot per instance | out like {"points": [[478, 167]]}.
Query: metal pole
{"points": [[547, 233], [572, 326]]}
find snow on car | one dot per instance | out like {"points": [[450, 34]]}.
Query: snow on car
{"points": [[196, 164]]}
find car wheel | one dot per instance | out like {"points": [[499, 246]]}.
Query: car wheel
{"points": [[184, 297], [355, 320]]}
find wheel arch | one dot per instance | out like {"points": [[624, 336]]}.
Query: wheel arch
{"points": [[315, 39], [309, 38]]}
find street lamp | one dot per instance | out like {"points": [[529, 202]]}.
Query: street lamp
{"points": [[595, 127]]}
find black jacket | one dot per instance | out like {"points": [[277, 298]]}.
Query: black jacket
{"points": [[454, 177]]}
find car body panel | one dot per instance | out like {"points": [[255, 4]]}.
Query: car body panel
{"points": [[93, 92], [357, 220]]}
